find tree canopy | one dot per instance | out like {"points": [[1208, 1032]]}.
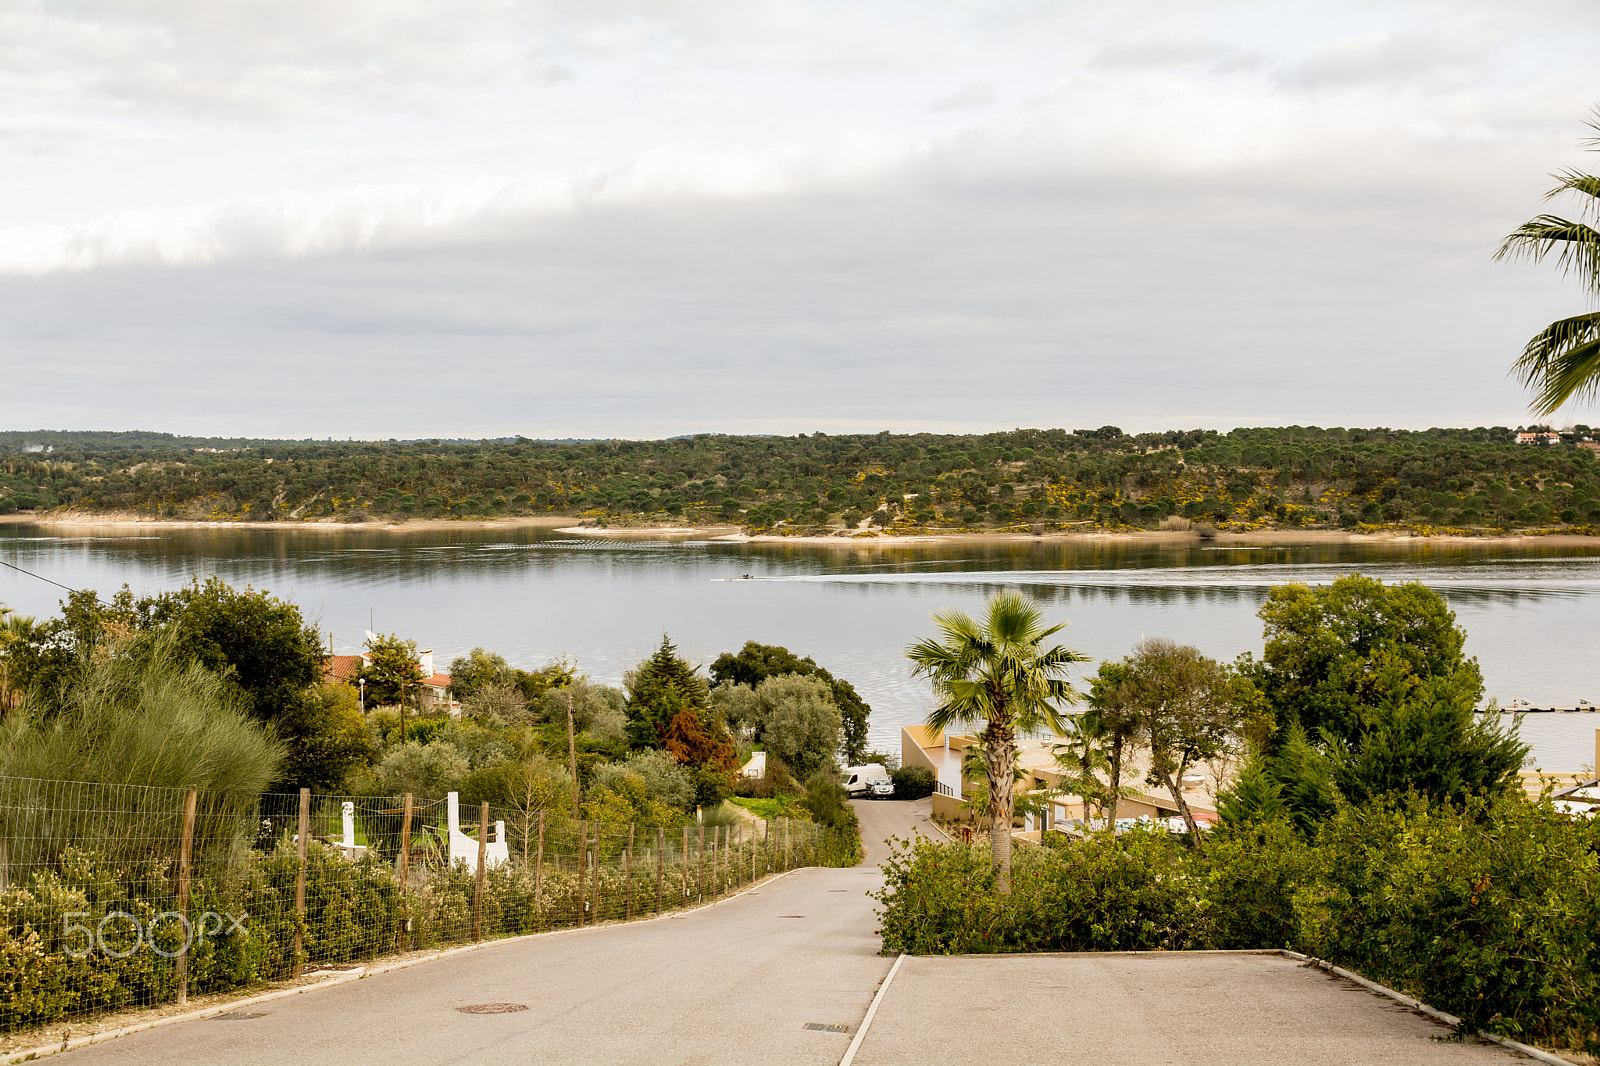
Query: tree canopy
{"points": [[1334, 649], [756, 662], [1288, 477]]}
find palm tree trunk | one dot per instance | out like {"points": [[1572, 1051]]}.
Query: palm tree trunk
{"points": [[999, 746]]}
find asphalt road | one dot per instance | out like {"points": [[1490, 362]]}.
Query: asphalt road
{"points": [[738, 982], [732, 983]]}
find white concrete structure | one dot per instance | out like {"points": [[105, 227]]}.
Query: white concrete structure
{"points": [[756, 767], [465, 848], [347, 843]]}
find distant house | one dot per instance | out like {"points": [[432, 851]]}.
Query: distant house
{"points": [[435, 688], [941, 754], [1538, 438], [756, 767]]}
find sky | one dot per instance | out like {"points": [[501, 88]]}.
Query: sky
{"points": [[604, 218]]}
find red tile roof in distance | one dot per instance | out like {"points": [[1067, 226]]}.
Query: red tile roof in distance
{"points": [[343, 668]]}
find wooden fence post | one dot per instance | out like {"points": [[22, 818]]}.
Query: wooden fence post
{"points": [[483, 870], [405, 869], [583, 868], [597, 839], [185, 864], [405, 847], [684, 854], [538, 870], [700, 863], [661, 861], [627, 906], [300, 881], [787, 859]]}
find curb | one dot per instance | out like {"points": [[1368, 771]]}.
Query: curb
{"points": [[866, 1023], [1432, 1012], [73, 1044]]}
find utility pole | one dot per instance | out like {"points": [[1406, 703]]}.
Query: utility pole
{"points": [[572, 752]]}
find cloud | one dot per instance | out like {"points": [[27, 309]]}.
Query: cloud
{"points": [[614, 217], [1382, 57], [1175, 52], [975, 94]]}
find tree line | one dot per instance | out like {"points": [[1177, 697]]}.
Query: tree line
{"points": [[1288, 477]]}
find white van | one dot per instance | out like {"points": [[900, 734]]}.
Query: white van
{"points": [[858, 780]]}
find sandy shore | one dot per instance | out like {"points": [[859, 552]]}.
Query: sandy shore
{"points": [[624, 532], [130, 524], [1257, 538]]}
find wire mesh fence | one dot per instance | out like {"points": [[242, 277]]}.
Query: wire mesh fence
{"points": [[116, 897]]}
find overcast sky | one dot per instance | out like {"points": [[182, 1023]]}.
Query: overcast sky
{"points": [[606, 218]]}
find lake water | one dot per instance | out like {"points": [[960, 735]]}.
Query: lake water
{"points": [[1531, 614]]}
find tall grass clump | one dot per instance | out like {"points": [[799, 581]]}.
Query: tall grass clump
{"points": [[92, 768]]}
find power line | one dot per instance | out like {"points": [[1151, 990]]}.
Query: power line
{"points": [[41, 577]]}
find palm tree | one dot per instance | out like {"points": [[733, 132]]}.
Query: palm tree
{"points": [[998, 675], [1090, 748], [1562, 361]]}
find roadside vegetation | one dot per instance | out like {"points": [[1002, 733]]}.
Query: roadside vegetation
{"points": [[213, 687], [1438, 480], [1373, 820], [113, 710]]}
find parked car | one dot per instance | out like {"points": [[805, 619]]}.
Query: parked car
{"points": [[883, 790], [858, 780]]}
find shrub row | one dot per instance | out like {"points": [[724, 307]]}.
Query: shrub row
{"points": [[1488, 913], [51, 968]]}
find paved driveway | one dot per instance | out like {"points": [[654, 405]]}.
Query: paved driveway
{"points": [[1186, 1008]]}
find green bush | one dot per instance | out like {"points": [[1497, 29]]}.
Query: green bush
{"points": [[829, 805], [912, 782]]}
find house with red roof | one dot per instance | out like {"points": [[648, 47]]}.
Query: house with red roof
{"points": [[435, 687]]}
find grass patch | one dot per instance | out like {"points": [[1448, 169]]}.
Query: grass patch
{"points": [[783, 805]]}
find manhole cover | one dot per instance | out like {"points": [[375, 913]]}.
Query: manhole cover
{"points": [[235, 1016], [821, 1028], [492, 1008]]}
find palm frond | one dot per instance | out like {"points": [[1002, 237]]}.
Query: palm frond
{"points": [[1562, 363], [1575, 245], [1579, 182]]}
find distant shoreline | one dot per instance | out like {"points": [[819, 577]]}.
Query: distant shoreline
{"points": [[129, 524]]}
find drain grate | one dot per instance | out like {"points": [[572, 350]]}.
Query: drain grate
{"points": [[236, 1016], [821, 1028], [492, 1008], [791, 916]]}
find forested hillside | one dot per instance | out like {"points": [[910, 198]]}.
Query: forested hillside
{"points": [[1292, 477]]}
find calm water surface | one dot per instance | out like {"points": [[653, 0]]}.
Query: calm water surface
{"points": [[1531, 613]]}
